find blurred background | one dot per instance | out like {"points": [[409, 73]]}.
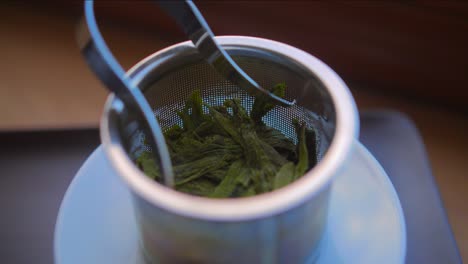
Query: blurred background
{"points": [[407, 56]]}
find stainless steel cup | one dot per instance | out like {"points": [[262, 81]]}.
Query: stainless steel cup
{"points": [[283, 226]]}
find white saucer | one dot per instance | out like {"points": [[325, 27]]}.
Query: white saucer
{"points": [[96, 223]]}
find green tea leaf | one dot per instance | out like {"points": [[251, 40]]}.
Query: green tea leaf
{"points": [[195, 169], [239, 115], [245, 192], [276, 139], [262, 104], [186, 120], [226, 124], [228, 152], [201, 187], [217, 175], [311, 142], [173, 132], [228, 185], [196, 104], [244, 179], [147, 163], [285, 175]]}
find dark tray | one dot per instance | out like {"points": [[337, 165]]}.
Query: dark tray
{"points": [[37, 167]]}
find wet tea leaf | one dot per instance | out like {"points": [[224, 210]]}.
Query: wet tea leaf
{"points": [[227, 152]]}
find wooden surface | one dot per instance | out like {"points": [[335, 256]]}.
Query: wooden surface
{"points": [[46, 84]]}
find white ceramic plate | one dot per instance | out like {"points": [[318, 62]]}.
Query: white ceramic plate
{"points": [[365, 225]]}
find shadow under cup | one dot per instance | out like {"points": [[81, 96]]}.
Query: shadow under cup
{"points": [[283, 226]]}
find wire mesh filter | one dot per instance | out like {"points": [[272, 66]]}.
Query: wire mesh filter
{"points": [[168, 86]]}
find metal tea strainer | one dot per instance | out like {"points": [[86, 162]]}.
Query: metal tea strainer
{"points": [[283, 226]]}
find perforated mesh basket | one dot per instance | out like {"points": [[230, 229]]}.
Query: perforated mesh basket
{"points": [[169, 77]]}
